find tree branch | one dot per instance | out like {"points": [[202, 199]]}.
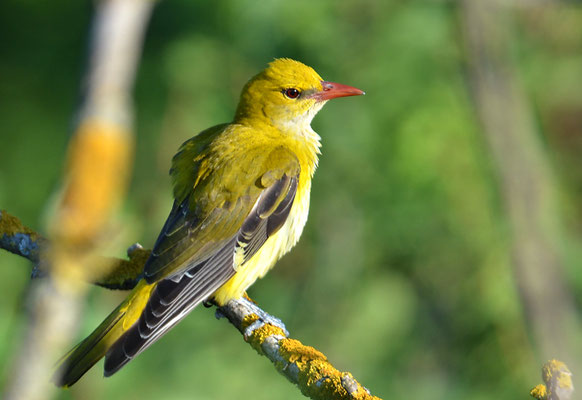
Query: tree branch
{"points": [[19, 239], [303, 365], [558, 382]]}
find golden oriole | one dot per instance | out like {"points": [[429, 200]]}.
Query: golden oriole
{"points": [[241, 201]]}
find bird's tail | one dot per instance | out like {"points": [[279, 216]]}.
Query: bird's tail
{"points": [[73, 365]]}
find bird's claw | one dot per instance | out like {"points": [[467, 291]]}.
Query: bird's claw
{"points": [[208, 303]]}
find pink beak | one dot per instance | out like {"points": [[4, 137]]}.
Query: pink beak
{"points": [[331, 90]]}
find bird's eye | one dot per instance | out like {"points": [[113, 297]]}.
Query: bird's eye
{"points": [[291, 93]]}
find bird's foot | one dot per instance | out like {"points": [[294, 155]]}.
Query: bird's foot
{"points": [[246, 297], [208, 303]]}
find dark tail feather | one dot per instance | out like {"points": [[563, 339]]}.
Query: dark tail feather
{"points": [[132, 343]]}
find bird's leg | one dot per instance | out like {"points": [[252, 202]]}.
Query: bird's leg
{"points": [[246, 296]]}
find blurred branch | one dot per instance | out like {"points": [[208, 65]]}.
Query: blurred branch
{"points": [[302, 365], [526, 181], [558, 382], [25, 242], [99, 161], [19, 239]]}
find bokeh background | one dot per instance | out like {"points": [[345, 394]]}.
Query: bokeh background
{"points": [[423, 269]]}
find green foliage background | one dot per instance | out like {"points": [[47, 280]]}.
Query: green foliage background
{"points": [[404, 274]]}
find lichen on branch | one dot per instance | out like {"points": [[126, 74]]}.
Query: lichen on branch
{"points": [[557, 382], [303, 365], [19, 239]]}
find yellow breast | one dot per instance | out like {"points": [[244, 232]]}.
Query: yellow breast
{"points": [[273, 249], [305, 143]]}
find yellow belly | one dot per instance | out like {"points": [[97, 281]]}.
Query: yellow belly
{"points": [[273, 249]]}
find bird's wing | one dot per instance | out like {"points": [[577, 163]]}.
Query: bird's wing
{"points": [[213, 199], [189, 238], [210, 265]]}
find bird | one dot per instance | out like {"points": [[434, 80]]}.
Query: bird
{"points": [[241, 199]]}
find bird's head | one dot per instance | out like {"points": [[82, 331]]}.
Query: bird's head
{"points": [[288, 94]]}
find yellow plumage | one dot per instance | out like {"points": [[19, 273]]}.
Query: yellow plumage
{"points": [[241, 201]]}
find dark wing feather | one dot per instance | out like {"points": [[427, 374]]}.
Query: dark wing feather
{"points": [[174, 297], [189, 239], [175, 229], [268, 215]]}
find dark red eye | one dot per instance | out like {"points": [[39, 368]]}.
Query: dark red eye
{"points": [[292, 93]]}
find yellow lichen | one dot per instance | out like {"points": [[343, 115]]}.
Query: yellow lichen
{"points": [[249, 320], [317, 378], [565, 381], [558, 381], [549, 368], [559, 372], [10, 225], [539, 392], [258, 336], [295, 351]]}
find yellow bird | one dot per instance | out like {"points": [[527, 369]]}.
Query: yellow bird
{"points": [[241, 201]]}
